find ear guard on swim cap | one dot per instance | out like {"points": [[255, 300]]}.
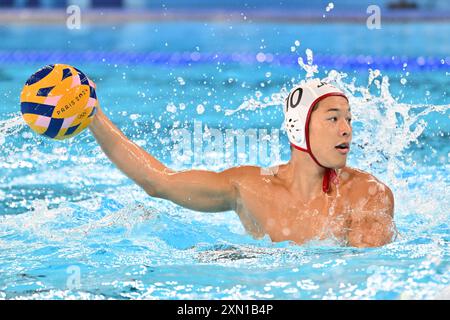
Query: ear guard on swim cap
{"points": [[297, 113]]}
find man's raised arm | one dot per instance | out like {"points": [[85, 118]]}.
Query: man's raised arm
{"points": [[194, 189]]}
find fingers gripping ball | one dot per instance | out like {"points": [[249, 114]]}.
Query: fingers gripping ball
{"points": [[58, 101]]}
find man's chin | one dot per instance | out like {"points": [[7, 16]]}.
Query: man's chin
{"points": [[335, 163], [340, 165]]}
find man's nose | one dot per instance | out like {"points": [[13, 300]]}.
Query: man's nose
{"points": [[345, 129]]}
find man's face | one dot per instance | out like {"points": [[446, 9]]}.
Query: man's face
{"points": [[329, 127]]}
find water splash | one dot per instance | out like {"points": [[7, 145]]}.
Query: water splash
{"points": [[255, 103], [393, 125], [10, 127], [310, 68]]}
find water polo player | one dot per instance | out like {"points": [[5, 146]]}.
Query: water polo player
{"points": [[314, 196]]}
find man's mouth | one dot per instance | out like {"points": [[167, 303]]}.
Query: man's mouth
{"points": [[343, 148]]}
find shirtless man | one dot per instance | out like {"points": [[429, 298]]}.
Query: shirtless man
{"points": [[314, 196]]}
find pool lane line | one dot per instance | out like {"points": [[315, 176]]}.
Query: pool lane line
{"points": [[187, 58]]}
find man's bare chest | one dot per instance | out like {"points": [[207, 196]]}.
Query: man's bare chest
{"points": [[287, 219]]}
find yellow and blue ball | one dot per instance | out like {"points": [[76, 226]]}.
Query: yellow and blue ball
{"points": [[58, 101]]}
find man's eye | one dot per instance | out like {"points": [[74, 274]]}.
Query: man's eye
{"points": [[349, 120], [333, 119]]}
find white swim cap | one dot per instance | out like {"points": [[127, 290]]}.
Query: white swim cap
{"points": [[297, 113]]}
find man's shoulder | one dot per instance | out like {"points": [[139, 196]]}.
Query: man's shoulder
{"points": [[255, 177], [358, 175], [367, 189], [362, 181]]}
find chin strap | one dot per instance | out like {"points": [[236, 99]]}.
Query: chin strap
{"points": [[330, 175]]}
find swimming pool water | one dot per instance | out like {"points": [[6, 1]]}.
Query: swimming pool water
{"points": [[72, 226]]}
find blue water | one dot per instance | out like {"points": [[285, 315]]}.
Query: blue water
{"points": [[73, 226]]}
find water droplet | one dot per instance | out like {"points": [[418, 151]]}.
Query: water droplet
{"points": [[345, 175], [200, 109], [171, 108], [181, 81], [27, 135], [260, 57], [329, 7]]}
